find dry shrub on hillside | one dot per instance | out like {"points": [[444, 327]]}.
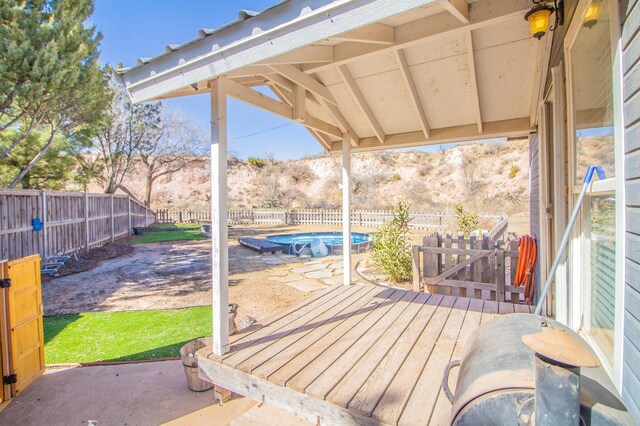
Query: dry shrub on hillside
{"points": [[299, 173]]}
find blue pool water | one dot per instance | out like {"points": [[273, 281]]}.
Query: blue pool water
{"points": [[297, 244]]}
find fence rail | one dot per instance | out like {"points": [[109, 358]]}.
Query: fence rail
{"points": [[478, 267], [367, 218], [70, 221]]}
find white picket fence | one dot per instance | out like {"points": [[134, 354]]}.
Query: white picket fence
{"points": [[366, 218]]}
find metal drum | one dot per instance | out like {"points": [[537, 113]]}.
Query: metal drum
{"points": [[497, 381]]}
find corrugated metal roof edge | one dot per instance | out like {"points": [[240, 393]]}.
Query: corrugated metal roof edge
{"points": [[243, 15]]}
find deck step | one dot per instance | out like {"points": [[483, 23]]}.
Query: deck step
{"points": [[263, 415]]}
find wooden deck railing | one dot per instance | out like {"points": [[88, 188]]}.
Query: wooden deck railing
{"points": [[70, 221], [477, 267], [366, 218]]}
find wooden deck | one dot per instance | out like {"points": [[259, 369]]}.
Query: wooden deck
{"points": [[356, 354]]}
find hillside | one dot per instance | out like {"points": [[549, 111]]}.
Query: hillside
{"points": [[484, 177]]}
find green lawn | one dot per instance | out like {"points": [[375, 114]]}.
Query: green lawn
{"points": [[171, 232], [123, 336]]}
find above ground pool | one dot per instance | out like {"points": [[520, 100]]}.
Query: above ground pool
{"points": [[300, 244]]}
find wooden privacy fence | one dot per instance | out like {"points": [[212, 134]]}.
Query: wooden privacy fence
{"points": [[70, 221], [476, 267], [368, 218]]}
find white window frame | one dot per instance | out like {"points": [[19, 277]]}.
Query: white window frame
{"points": [[578, 295]]}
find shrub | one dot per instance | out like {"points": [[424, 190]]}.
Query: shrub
{"points": [[396, 176], [391, 251], [256, 163], [467, 221], [514, 171], [272, 204]]}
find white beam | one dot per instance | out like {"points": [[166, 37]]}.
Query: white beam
{"points": [[304, 55], [280, 93], [361, 102], [299, 103], [375, 33], [518, 127], [542, 68], [473, 78], [343, 124], [346, 209], [405, 72], [483, 13], [219, 210], [458, 8], [309, 83], [321, 138], [269, 104]]}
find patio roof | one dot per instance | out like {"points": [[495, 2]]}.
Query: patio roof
{"points": [[390, 74]]}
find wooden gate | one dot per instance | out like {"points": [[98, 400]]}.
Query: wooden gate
{"points": [[479, 268], [24, 331]]}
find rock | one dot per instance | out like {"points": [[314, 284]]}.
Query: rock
{"points": [[333, 281], [309, 268], [287, 279], [244, 322], [318, 274], [307, 285]]}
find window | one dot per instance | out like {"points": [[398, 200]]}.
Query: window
{"points": [[590, 68]]}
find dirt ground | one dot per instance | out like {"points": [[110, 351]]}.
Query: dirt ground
{"points": [[177, 275]]}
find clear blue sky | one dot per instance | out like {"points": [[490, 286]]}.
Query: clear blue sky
{"points": [[142, 28]]}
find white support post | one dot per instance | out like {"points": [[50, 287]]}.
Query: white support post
{"points": [[219, 209], [346, 207]]}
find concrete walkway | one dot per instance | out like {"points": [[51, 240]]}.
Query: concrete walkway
{"points": [[134, 394]]}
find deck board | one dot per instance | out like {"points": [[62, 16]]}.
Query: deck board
{"points": [[334, 373], [296, 364], [425, 393], [344, 391], [278, 355], [264, 337], [355, 354], [375, 385], [308, 374]]}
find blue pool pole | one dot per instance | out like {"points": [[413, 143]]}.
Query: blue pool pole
{"points": [[567, 233]]}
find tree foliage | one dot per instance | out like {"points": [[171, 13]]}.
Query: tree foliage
{"points": [[124, 129], [174, 143], [391, 251], [51, 82], [467, 221], [54, 170]]}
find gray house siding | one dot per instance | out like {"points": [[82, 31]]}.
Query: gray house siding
{"points": [[631, 96], [534, 199]]}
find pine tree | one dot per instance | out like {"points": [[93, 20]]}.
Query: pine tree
{"points": [[50, 79]]}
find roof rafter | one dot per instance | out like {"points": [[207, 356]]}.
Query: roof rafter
{"points": [[321, 138], [374, 33], [311, 84], [407, 78], [474, 80], [268, 104], [428, 28], [352, 85], [458, 8]]}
